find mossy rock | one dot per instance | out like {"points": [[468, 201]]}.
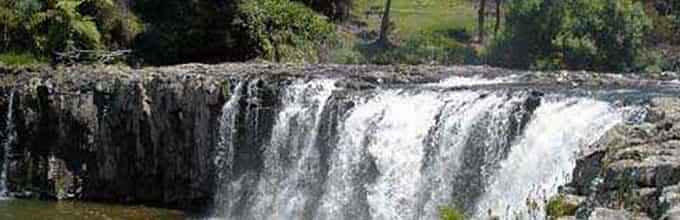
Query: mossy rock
{"points": [[449, 213], [559, 207]]}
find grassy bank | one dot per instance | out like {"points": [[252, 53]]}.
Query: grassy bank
{"points": [[422, 32]]}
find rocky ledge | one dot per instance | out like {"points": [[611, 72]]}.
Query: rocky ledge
{"points": [[117, 134], [632, 172]]}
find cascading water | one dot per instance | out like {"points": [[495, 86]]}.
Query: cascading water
{"points": [[403, 153], [10, 138], [542, 158], [225, 151]]}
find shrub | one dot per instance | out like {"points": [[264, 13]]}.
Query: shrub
{"points": [[48, 27], [60, 26], [285, 31], [118, 25], [590, 34]]}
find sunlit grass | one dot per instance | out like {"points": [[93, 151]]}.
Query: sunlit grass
{"points": [[20, 59], [414, 16]]}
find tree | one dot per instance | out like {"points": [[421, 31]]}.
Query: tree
{"points": [[498, 16], [385, 24], [481, 17]]}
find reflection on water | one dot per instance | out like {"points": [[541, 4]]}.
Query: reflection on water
{"points": [[43, 210]]}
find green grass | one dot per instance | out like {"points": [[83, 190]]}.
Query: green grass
{"points": [[414, 16], [20, 59], [424, 32]]}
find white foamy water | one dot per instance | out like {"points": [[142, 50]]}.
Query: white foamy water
{"points": [[224, 160], [403, 153], [7, 144], [543, 158], [383, 138], [456, 81], [291, 164]]}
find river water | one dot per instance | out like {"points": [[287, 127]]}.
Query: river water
{"points": [[11, 209]]}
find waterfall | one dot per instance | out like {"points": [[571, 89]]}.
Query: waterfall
{"points": [[541, 159], [289, 179], [225, 149], [292, 173], [10, 139], [401, 153]]}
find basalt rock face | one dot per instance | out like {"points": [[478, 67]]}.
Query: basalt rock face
{"points": [[131, 140]]}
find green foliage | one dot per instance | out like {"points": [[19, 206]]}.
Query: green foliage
{"points": [[448, 213], [45, 28], [285, 31], [557, 207], [19, 59], [216, 31], [60, 26], [14, 14], [117, 25], [580, 34]]}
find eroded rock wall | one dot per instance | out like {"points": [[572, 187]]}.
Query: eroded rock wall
{"points": [[148, 141]]}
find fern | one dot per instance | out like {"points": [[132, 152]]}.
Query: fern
{"points": [[87, 29], [36, 20]]}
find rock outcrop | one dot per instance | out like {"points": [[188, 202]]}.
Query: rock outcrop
{"points": [[633, 172]]}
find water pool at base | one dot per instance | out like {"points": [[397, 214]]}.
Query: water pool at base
{"points": [[67, 210]]}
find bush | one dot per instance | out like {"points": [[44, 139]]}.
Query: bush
{"points": [[581, 34], [285, 31], [216, 31], [118, 25], [45, 28]]}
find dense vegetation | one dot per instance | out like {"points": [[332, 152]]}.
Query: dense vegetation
{"points": [[605, 35], [581, 34]]}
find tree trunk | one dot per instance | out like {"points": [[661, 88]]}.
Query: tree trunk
{"points": [[498, 16], [385, 22], [481, 16]]}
